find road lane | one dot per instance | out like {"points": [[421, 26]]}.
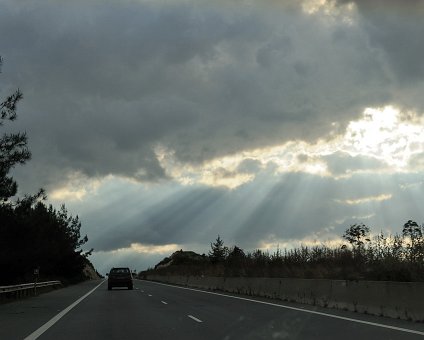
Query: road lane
{"points": [[20, 318], [123, 314], [229, 318], [35, 335], [155, 310]]}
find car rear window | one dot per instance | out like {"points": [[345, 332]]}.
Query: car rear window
{"points": [[120, 271]]}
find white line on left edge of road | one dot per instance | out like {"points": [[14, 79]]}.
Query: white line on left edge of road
{"points": [[194, 318], [56, 318]]}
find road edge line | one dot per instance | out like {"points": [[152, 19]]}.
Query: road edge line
{"points": [[34, 335], [405, 330]]}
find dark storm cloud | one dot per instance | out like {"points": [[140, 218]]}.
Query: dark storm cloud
{"points": [[396, 26], [104, 83]]}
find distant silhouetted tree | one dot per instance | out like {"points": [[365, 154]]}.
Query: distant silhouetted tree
{"points": [[384, 257], [236, 254], [235, 262], [357, 235], [414, 234], [218, 251], [33, 235]]}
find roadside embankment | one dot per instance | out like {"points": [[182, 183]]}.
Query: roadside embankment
{"points": [[401, 300]]}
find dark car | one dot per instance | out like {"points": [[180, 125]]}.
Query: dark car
{"points": [[120, 277]]}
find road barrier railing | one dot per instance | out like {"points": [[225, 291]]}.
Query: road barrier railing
{"points": [[26, 289]]}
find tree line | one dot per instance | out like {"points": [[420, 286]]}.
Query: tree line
{"points": [[34, 237], [359, 256]]}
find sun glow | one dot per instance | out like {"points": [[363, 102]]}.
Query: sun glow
{"points": [[330, 10], [154, 249], [386, 135], [145, 249], [76, 188], [383, 134], [356, 201]]}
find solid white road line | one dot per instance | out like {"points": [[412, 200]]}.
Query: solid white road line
{"points": [[165, 303], [56, 318], [406, 330], [195, 319]]}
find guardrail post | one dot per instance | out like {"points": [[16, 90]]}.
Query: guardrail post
{"points": [[36, 274]]}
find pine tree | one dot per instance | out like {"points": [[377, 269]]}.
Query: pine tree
{"points": [[13, 146], [218, 251]]}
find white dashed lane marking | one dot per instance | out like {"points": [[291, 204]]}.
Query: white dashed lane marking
{"points": [[406, 330], [194, 318]]}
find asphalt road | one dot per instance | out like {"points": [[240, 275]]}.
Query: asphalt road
{"points": [[157, 311]]}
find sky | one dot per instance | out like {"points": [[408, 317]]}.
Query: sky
{"points": [[163, 124]]}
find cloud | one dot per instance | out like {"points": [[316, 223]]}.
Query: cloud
{"points": [[249, 166], [363, 200], [168, 123], [341, 163], [105, 84], [395, 27], [417, 162]]}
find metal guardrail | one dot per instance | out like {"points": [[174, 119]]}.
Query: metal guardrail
{"points": [[27, 286]]}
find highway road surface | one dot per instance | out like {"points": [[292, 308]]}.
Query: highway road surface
{"points": [[158, 311]]}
